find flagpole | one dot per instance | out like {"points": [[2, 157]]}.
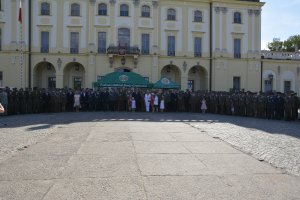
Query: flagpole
{"points": [[21, 43]]}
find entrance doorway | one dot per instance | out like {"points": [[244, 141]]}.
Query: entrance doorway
{"points": [[77, 82]]}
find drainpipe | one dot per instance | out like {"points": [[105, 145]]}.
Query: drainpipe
{"points": [[210, 46], [29, 42]]}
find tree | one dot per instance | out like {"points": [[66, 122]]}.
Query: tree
{"points": [[276, 45], [292, 43]]}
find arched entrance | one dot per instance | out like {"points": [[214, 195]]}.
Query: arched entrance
{"points": [[44, 75], [74, 76], [198, 78], [171, 72]]}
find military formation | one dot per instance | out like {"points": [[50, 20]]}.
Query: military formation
{"points": [[261, 105]]}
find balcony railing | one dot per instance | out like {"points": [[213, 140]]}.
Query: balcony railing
{"points": [[171, 53], [44, 49], [197, 54], [123, 50], [74, 50], [102, 50], [278, 55]]}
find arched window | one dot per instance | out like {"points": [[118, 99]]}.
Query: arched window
{"points": [[197, 16], [75, 9], [102, 9], [145, 11], [124, 10], [171, 14], [45, 8], [124, 37], [237, 18]]}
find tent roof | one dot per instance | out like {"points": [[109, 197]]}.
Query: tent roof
{"points": [[165, 83], [122, 79]]}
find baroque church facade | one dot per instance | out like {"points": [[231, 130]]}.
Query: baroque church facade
{"points": [[199, 44]]}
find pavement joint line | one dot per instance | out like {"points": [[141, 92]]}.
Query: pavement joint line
{"points": [[48, 190]]}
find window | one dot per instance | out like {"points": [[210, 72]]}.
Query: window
{"points": [[145, 43], [77, 80], [237, 19], [198, 47], [124, 37], [102, 42], [44, 42], [171, 14], [236, 83], [124, 10], [52, 82], [237, 48], [287, 86], [198, 16], [75, 9], [0, 40], [45, 8], [102, 9], [145, 11], [171, 45], [1, 79], [74, 42]]}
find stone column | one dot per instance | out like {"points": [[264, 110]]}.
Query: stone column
{"points": [[113, 30]]}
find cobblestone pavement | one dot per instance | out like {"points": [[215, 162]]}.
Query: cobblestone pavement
{"points": [[119, 155]]}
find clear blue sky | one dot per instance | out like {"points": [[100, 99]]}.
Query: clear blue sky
{"points": [[280, 19]]}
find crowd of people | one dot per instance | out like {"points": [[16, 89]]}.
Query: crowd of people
{"points": [[262, 105]]}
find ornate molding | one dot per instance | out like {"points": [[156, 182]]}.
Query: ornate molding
{"points": [[155, 4], [217, 10], [250, 12], [136, 3], [92, 2], [257, 12], [112, 2], [224, 10]]}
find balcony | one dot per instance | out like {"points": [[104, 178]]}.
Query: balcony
{"points": [[120, 50]]}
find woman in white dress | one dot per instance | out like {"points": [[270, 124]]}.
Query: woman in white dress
{"points": [[77, 101], [162, 104], [203, 105]]}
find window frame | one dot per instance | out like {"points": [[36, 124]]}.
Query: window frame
{"points": [[237, 17], [102, 43], [45, 49], [198, 18], [171, 47], [74, 45], [45, 12], [74, 11], [237, 50], [124, 13], [145, 48], [236, 79], [128, 37], [0, 39], [145, 13], [102, 12], [171, 14], [1, 78], [197, 53]]}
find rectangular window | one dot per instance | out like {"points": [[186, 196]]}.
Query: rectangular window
{"points": [[74, 42], [102, 42], [197, 47], [1, 79], [44, 42], [171, 45], [287, 86], [52, 82], [236, 83], [237, 48], [145, 44]]}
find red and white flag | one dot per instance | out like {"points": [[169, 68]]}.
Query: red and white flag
{"points": [[20, 12]]}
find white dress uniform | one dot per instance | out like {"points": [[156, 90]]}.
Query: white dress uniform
{"points": [[147, 101]]}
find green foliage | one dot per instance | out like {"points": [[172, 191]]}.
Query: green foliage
{"points": [[292, 44]]}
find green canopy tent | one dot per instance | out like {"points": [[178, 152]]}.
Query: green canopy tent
{"points": [[122, 79], [165, 83]]}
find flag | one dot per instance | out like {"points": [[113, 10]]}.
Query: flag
{"points": [[20, 12]]}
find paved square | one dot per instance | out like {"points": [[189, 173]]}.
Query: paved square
{"points": [[148, 156]]}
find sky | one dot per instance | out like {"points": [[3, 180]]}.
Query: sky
{"points": [[280, 19]]}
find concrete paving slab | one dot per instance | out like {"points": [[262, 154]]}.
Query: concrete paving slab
{"points": [[159, 147], [169, 164], [117, 136], [97, 189], [234, 164], [107, 149], [188, 136], [32, 167], [24, 190], [88, 166], [152, 136], [210, 148]]}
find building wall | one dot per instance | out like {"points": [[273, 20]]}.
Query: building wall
{"points": [[93, 65]]}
